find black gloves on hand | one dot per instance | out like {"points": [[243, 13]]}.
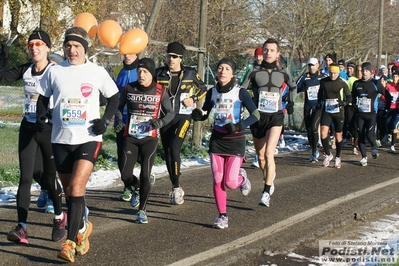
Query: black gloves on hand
{"points": [[99, 126], [290, 107], [40, 123], [232, 128], [156, 123], [196, 114], [119, 126]]}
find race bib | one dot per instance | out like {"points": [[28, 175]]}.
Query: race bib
{"points": [[394, 96], [364, 105], [223, 113], [268, 101], [74, 112], [30, 104], [139, 126], [312, 92], [185, 110], [332, 106]]}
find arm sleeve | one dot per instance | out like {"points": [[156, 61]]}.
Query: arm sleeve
{"points": [[292, 85], [41, 105], [300, 83], [13, 74], [250, 105], [201, 87], [111, 107], [247, 79], [347, 92], [167, 110]]}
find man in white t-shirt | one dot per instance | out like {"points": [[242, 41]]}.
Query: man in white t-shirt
{"points": [[75, 85]]}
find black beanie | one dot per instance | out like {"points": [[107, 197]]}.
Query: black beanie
{"points": [[367, 66], [148, 64], [227, 61], [331, 56], [175, 48], [40, 35]]}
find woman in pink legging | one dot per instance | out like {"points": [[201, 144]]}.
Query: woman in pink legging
{"points": [[227, 143]]}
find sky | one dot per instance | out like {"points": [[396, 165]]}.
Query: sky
{"points": [[383, 229]]}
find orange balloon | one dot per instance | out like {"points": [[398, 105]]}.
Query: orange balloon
{"points": [[109, 33], [133, 42], [88, 22]]}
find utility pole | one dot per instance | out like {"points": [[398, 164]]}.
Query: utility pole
{"points": [[380, 30], [156, 7], [201, 56]]}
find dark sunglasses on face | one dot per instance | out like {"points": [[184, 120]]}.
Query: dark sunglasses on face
{"points": [[174, 56], [37, 44]]}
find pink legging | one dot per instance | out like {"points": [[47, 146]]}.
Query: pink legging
{"points": [[225, 171]]}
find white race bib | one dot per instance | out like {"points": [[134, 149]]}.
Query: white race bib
{"points": [[332, 106], [185, 110], [139, 126], [268, 101], [74, 112], [30, 104], [312, 92], [364, 105]]}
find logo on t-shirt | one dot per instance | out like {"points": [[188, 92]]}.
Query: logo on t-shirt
{"points": [[86, 89]]}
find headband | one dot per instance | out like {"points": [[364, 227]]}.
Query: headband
{"points": [[77, 39], [333, 69]]}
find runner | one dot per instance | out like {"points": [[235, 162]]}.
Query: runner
{"points": [[267, 85], [76, 85], [34, 142], [364, 96], [227, 143], [185, 88], [333, 95], [144, 99]]}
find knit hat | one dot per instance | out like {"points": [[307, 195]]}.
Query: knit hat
{"points": [[227, 61], [175, 48], [395, 70], [367, 66], [351, 64], [258, 51], [331, 56], [40, 35], [341, 62], [383, 68], [148, 64]]}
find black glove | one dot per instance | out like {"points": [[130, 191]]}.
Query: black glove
{"points": [[99, 126], [156, 123], [40, 123], [196, 114], [232, 128], [5, 50], [290, 107]]}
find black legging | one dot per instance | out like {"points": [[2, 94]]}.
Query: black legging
{"points": [[315, 122], [29, 142], [365, 123], [147, 149], [172, 137]]}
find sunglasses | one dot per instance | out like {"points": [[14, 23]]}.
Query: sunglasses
{"points": [[37, 44], [174, 56]]}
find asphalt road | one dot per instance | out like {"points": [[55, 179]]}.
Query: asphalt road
{"points": [[308, 201]]}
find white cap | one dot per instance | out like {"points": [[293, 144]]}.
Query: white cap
{"points": [[313, 61]]}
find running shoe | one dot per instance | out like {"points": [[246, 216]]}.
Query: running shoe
{"points": [[281, 141], [333, 144], [18, 235], [221, 222], [127, 194], [392, 149], [355, 151], [374, 152], [317, 154], [363, 161], [314, 158], [246, 184], [82, 243], [142, 217], [135, 200], [378, 143], [152, 178], [177, 196], [67, 251], [276, 151], [337, 162], [255, 163], [265, 199], [59, 229], [327, 159], [42, 200], [49, 206]]}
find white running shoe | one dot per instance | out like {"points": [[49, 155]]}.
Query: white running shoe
{"points": [[255, 163], [177, 196], [221, 222], [265, 199], [337, 162], [392, 149], [327, 159], [355, 151], [246, 184], [281, 141], [363, 161]]}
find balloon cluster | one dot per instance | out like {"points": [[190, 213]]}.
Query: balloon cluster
{"points": [[110, 33]]}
